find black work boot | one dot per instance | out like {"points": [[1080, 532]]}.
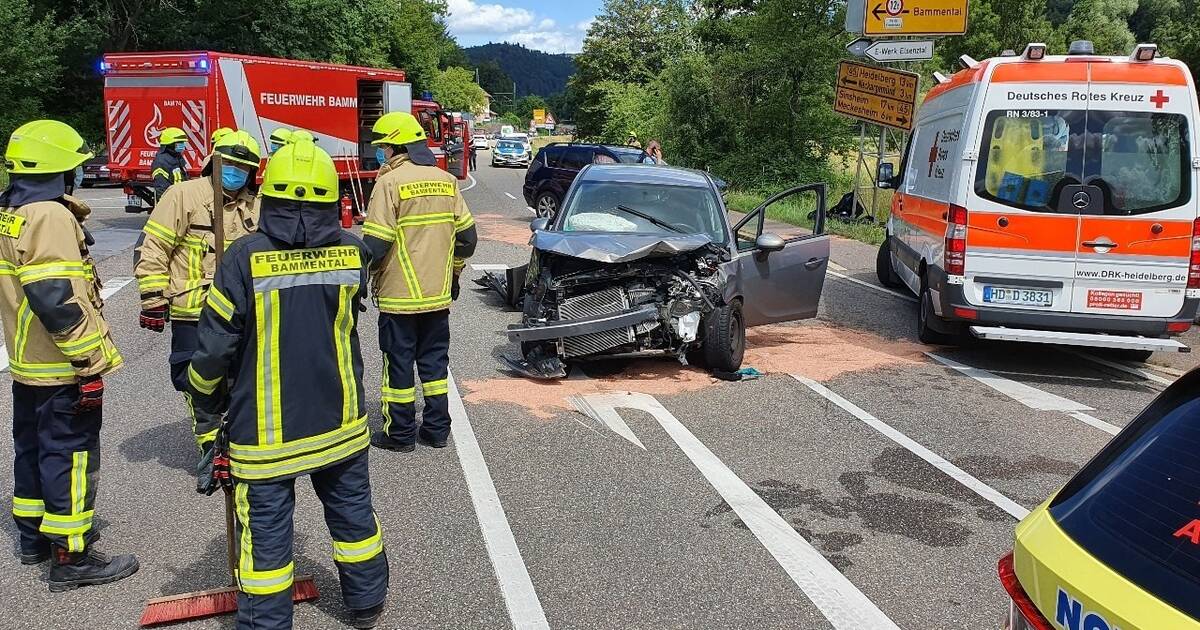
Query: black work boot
{"points": [[72, 570], [430, 442], [36, 555], [379, 439], [368, 618]]}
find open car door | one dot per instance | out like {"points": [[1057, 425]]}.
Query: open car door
{"points": [[782, 274]]}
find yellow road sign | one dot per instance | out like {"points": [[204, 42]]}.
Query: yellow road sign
{"points": [[915, 17], [878, 95], [539, 116]]}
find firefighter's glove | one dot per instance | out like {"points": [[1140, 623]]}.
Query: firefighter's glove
{"points": [[91, 394], [153, 318], [212, 472], [454, 288]]}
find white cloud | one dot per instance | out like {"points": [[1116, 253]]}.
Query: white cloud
{"points": [[545, 25], [467, 16], [548, 41], [583, 26]]}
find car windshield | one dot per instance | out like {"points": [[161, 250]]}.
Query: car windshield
{"points": [[602, 206], [511, 145]]}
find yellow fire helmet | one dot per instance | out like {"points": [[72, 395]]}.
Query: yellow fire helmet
{"points": [[301, 171], [45, 146], [301, 135], [240, 147], [220, 133], [397, 128], [282, 135], [171, 135]]}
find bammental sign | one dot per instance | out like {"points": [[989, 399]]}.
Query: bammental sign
{"points": [[878, 95], [895, 18]]}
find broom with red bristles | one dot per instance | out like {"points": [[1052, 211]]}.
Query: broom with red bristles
{"points": [[220, 601]]}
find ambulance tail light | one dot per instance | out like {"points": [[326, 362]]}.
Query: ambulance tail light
{"points": [[1144, 52], [1194, 258], [955, 258], [1034, 52], [1023, 614]]}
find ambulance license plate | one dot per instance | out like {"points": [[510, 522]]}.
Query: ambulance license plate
{"points": [[1016, 296]]}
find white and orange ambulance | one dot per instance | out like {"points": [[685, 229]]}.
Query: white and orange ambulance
{"points": [[1052, 199]]}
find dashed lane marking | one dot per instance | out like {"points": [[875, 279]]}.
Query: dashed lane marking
{"points": [[961, 476], [524, 608], [1031, 397], [861, 283], [110, 288], [846, 607], [509, 195]]}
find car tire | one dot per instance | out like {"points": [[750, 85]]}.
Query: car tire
{"points": [[883, 266], [925, 332], [545, 204], [725, 338]]}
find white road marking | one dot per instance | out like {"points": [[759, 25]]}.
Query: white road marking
{"points": [[524, 608], [1128, 369], [488, 267], [531, 210], [846, 607], [509, 195], [609, 416], [961, 476], [1031, 397], [836, 267], [473, 182], [1165, 370], [902, 296], [111, 286]]}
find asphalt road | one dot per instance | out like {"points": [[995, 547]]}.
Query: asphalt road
{"points": [[826, 494]]}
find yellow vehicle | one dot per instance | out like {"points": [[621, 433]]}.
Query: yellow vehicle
{"points": [[1118, 547]]}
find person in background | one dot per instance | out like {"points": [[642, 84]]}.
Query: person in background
{"points": [[168, 167], [60, 351], [279, 137]]}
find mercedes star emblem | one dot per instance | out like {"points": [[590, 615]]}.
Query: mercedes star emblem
{"points": [[1081, 200]]}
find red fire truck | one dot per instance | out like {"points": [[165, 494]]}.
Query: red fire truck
{"points": [[202, 91]]}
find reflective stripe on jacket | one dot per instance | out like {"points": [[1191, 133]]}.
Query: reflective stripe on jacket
{"points": [[166, 169], [176, 258], [50, 298], [420, 211], [281, 328]]}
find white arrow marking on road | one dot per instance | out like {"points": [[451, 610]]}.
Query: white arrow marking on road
{"points": [[110, 288], [1031, 397], [524, 608], [509, 195], [846, 607], [961, 476]]}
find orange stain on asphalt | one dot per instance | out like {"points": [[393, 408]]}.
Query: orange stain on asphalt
{"points": [[497, 227], [814, 349]]}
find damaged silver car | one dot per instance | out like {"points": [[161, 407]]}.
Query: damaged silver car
{"points": [[643, 261]]}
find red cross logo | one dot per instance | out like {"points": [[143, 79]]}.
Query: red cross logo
{"points": [[1159, 99]]}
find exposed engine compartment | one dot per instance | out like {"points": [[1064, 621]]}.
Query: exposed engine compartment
{"points": [[575, 308]]}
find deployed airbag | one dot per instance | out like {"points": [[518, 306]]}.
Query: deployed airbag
{"points": [[617, 247]]}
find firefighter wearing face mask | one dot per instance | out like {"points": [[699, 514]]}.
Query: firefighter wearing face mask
{"points": [[59, 350], [420, 233], [175, 261], [279, 350], [279, 137], [168, 167]]}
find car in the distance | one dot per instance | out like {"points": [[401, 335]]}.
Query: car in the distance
{"points": [[1118, 547], [554, 168], [479, 142], [644, 262], [511, 152], [95, 170]]}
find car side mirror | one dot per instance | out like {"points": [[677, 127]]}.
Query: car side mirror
{"points": [[883, 178], [768, 242], [539, 224]]}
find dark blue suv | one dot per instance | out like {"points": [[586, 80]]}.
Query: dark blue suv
{"points": [[554, 168]]}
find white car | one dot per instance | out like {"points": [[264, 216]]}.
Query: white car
{"points": [[480, 142]]}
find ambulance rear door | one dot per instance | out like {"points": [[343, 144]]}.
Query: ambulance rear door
{"points": [[1137, 202], [1022, 234]]}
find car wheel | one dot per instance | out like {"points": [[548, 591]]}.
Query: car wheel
{"points": [[546, 204], [883, 265], [925, 332], [725, 338]]}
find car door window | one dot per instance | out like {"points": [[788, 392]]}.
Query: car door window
{"points": [[795, 205], [603, 158], [553, 156], [576, 158]]}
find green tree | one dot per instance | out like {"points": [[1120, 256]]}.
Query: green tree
{"points": [[1104, 22], [510, 118], [492, 78], [526, 104], [30, 71], [455, 89]]}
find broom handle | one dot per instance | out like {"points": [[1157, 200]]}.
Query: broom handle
{"points": [[230, 550]]}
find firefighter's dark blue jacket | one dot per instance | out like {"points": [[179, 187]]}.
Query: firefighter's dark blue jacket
{"points": [[279, 344]]}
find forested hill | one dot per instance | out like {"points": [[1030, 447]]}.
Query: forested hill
{"points": [[534, 71]]}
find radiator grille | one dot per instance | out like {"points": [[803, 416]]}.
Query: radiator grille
{"points": [[603, 302]]}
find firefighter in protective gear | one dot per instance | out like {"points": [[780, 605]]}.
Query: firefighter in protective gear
{"points": [[59, 350], [175, 261], [221, 132], [279, 137], [168, 167], [279, 350], [420, 233]]}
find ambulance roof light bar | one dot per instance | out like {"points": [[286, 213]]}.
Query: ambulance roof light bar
{"points": [[1034, 52], [1081, 47], [967, 62], [1144, 52]]}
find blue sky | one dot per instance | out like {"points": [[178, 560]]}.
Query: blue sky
{"points": [[550, 25]]}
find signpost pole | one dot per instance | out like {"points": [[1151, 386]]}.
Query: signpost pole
{"points": [[858, 165], [878, 160]]}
